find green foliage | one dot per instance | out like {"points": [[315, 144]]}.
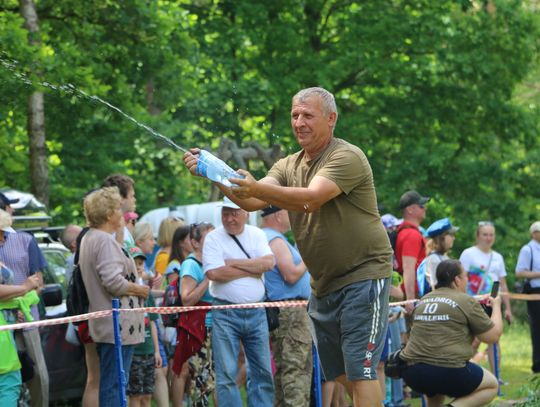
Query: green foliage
{"points": [[532, 392], [440, 95]]}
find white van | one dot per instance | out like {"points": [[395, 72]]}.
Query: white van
{"points": [[195, 213]]}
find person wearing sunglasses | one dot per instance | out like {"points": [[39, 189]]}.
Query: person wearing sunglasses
{"points": [[410, 244], [485, 266]]}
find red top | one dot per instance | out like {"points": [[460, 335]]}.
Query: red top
{"points": [[190, 336], [409, 242]]}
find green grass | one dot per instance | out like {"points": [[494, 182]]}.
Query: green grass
{"points": [[515, 364]]}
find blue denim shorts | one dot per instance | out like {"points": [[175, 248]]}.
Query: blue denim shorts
{"points": [[350, 328]]}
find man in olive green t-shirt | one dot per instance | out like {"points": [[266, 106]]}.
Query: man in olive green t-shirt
{"points": [[328, 189]]}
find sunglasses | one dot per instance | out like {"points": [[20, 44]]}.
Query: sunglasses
{"points": [[196, 229], [196, 225], [485, 223]]}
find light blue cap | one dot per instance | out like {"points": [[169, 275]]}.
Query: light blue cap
{"points": [[441, 226]]}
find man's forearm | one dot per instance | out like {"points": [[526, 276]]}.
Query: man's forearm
{"points": [[248, 204], [528, 274], [228, 273], [296, 199], [409, 280], [253, 266]]}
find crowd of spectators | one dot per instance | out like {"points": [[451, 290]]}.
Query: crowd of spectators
{"points": [[342, 262]]}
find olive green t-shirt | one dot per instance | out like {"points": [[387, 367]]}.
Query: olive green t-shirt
{"points": [[445, 323], [344, 241]]}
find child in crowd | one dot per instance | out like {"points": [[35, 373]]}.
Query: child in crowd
{"points": [[146, 356], [441, 235], [171, 274]]}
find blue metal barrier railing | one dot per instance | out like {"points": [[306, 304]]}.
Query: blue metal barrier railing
{"points": [[118, 353]]}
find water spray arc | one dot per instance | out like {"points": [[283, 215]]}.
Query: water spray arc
{"points": [[208, 165], [11, 65]]}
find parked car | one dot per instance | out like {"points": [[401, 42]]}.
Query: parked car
{"points": [[30, 213], [65, 361]]}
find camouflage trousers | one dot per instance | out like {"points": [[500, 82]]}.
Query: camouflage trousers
{"points": [[201, 368], [291, 347]]}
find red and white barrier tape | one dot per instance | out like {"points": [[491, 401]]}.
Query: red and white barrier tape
{"points": [[154, 310], [172, 310], [57, 321]]}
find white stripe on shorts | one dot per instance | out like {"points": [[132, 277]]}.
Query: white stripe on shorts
{"points": [[376, 311]]}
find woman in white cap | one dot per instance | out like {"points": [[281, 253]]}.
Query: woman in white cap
{"points": [[485, 266]]}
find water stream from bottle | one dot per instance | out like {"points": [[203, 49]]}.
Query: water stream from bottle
{"points": [[12, 66]]}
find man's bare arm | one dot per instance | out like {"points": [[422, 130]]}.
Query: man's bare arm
{"points": [[298, 199], [409, 280], [528, 274], [226, 273], [258, 265], [290, 272]]}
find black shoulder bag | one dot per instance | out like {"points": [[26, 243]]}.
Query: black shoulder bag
{"points": [[272, 313], [77, 298]]}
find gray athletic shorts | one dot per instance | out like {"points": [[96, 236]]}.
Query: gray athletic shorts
{"points": [[350, 328]]}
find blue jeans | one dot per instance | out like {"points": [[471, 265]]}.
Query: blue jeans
{"points": [[108, 380], [249, 327]]}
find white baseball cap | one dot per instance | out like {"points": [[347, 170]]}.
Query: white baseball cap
{"points": [[535, 227], [227, 203]]}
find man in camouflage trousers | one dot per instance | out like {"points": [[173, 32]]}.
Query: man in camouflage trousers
{"points": [[291, 341]]}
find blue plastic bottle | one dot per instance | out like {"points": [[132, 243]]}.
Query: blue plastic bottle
{"points": [[213, 168]]}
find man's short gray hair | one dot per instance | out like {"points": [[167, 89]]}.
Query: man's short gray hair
{"points": [[69, 235], [328, 101]]}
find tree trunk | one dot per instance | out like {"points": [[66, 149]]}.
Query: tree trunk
{"points": [[228, 149], [39, 171]]}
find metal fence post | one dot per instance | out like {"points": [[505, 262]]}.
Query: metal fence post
{"points": [[496, 367], [316, 376], [118, 353]]}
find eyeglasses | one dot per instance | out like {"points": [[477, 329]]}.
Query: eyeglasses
{"points": [[235, 213]]}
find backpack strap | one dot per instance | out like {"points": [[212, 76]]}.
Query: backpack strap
{"points": [[402, 226], [532, 258], [194, 259], [78, 244]]}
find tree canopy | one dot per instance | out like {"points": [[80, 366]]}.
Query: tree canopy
{"points": [[439, 94]]}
